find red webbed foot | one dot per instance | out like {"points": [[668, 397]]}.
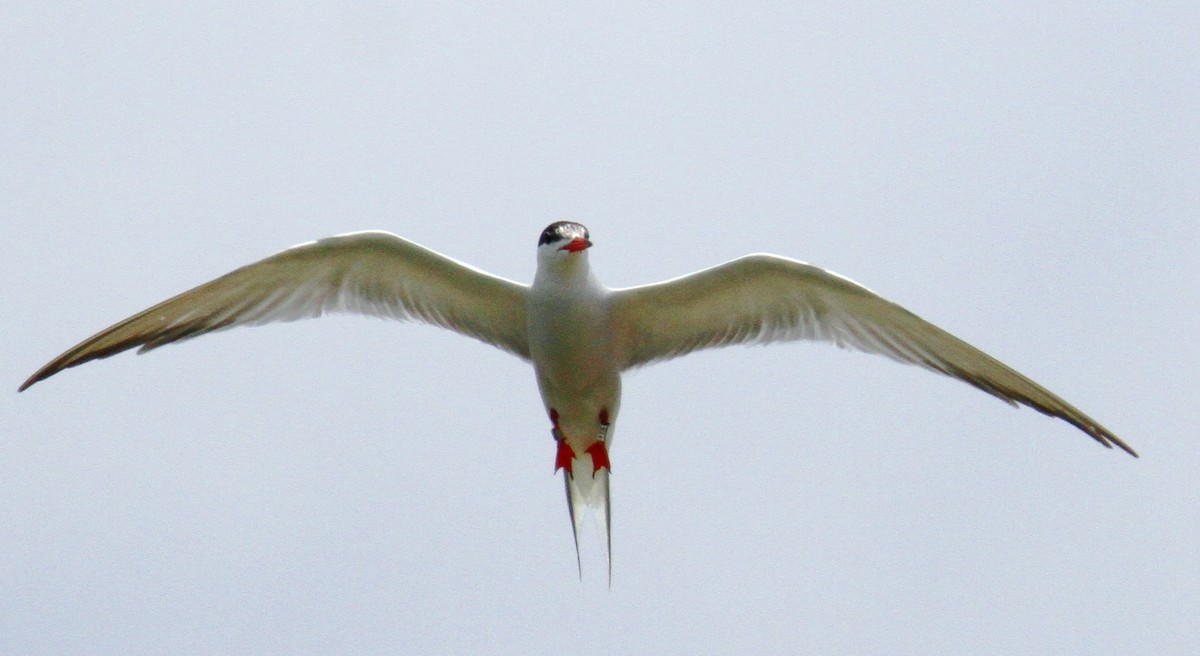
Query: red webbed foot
{"points": [[599, 454], [564, 457]]}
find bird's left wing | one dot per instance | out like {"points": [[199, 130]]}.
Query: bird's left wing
{"points": [[372, 273], [766, 298]]}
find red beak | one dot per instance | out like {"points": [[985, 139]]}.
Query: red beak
{"points": [[576, 245]]}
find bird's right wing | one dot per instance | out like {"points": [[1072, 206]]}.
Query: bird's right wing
{"points": [[372, 273], [767, 298]]}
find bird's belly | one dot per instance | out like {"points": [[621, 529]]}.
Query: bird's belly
{"points": [[576, 372], [572, 377]]}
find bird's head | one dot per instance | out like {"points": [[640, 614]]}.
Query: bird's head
{"points": [[563, 243], [564, 236]]}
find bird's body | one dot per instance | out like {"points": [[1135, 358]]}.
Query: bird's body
{"points": [[572, 348], [578, 375], [578, 335]]}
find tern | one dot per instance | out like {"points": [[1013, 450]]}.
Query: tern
{"points": [[579, 335]]}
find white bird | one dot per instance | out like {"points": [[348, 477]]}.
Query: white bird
{"points": [[579, 335]]}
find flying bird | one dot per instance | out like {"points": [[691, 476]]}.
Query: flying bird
{"points": [[579, 335]]}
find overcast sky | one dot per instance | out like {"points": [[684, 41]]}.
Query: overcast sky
{"points": [[1024, 175]]}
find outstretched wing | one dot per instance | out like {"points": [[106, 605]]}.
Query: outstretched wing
{"points": [[372, 273], [766, 298]]}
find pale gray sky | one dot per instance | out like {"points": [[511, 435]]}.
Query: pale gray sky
{"points": [[1023, 175]]}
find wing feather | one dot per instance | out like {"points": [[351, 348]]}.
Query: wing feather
{"points": [[372, 273], [766, 298]]}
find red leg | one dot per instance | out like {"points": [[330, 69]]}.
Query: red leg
{"points": [[565, 455]]}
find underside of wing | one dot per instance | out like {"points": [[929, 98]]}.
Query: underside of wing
{"points": [[370, 273], [766, 298]]}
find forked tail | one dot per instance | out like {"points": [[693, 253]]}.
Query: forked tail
{"points": [[587, 494]]}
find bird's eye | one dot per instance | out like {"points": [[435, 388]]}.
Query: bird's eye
{"points": [[548, 235]]}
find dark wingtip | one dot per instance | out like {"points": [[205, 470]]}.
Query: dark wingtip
{"points": [[40, 375], [1109, 441], [29, 383], [1124, 447]]}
